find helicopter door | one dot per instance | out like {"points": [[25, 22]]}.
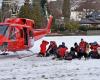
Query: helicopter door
{"points": [[25, 36]]}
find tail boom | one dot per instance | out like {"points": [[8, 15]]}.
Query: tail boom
{"points": [[39, 33]]}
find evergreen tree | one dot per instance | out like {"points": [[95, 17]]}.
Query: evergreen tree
{"points": [[25, 10], [6, 5], [0, 15], [37, 16], [72, 26], [43, 4]]}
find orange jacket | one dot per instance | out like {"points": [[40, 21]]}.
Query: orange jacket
{"points": [[43, 47], [94, 48], [62, 51]]}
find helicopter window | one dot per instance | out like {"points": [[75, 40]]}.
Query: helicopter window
{"points": [[13, 34], [25, 36], [3, 29], [30, 34], [33, 26], [21, 33], [23, 21]]}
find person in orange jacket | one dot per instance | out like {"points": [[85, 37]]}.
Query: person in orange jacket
{"points": [[43, 48], [61, 51]]}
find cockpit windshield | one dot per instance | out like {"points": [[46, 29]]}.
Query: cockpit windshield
{"points": [[3, 29]]}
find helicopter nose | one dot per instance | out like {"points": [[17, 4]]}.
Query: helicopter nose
{"points": [[2, 40]]}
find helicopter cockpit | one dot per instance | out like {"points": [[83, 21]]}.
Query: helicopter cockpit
{"points": [[4, 30]]}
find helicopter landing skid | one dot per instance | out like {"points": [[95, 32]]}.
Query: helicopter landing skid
{"points": [[4, 53], [24, 56]]}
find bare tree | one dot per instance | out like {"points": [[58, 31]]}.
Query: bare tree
{"points": [[66, 10], [6, 5]]}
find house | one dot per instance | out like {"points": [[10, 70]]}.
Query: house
{"points": [[76, 15], [93, 18], [85, 8]]}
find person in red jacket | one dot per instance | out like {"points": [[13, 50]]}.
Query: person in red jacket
{"points": [[76, 48], [43, 48], [61, 51], [82, 49], [94, 52]]}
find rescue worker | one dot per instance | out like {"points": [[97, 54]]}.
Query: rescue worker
{"points": [[98, 49], [43, 48], [94, 52], [61, 51], [82, 49], [52, 48], [76, 47], [72, 52], [88, 49]]}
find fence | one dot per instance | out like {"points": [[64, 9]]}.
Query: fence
{"points": [[93, 32]]}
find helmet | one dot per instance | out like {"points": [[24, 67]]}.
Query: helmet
{"points": [[75, 44], [81, 39], [63, 43], [94, 42]]}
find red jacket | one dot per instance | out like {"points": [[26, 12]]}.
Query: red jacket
{"points": [[43, 47], [77, 48], [94, 48], [82, 46], [62, 51]]}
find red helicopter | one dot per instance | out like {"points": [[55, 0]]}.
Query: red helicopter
{"points": [[18, 34]]}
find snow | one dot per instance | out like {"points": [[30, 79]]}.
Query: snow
{"points": [[44, 68]]}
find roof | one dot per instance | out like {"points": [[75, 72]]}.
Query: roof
{"points": [[93, 18], [89, 21]]}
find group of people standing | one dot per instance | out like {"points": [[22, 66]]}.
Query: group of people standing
{"points": [[83, 49]]}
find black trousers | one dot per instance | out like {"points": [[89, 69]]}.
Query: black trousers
{"points": [[81, 54], [72, 53], [94, 55]]}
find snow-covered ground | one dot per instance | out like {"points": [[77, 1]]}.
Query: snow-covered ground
{"points": [[44, 68]]}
